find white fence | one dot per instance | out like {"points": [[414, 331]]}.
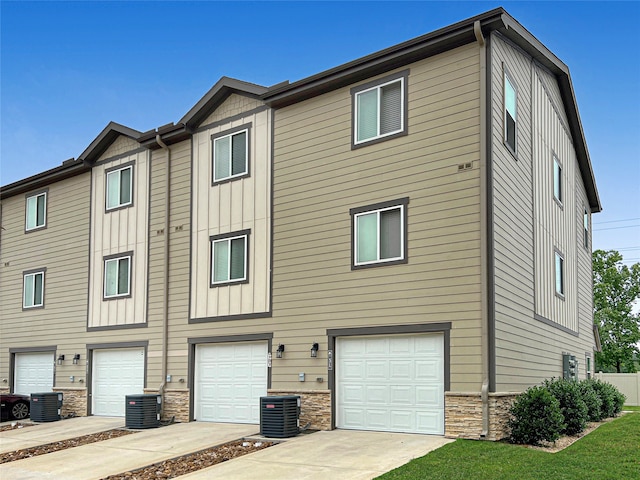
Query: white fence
{"points": [[627, 383]]}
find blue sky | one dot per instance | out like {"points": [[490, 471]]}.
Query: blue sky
{"points": [[68, 68]]}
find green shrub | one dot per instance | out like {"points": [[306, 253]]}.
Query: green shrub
{"points": [[591, 399], [535, 417], [572, 406], [612, 399]]}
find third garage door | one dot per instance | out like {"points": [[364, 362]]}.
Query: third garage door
{"points": [[391, 383], [229, 380], [116, 373]]}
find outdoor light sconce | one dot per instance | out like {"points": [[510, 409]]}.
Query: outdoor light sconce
{"points": [[279, 351], [314, 350], [76, 357], [60, 359]]}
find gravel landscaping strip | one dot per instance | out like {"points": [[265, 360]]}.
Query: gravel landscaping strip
{"points": [[192, 462], [62, 445], [15, 426]]}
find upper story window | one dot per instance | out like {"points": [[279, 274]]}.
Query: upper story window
{"points": [[557, 180], [510, 113], [119, 187], [380, 109], [585, 228], [379, 234], [117, 275], [229, 258], [36, 209], [33, 289], [231, 155], [559, 274]]}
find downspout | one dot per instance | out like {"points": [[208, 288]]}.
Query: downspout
{"points": [[484, 395], [165, 266]]}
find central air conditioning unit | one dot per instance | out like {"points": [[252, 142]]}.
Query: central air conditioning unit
{"points": [[45, 407], [143, 411], [280, 416]]}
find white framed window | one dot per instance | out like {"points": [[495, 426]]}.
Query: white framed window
{"points": [[36, 211], [379, 109], [117, 276], [229, 258], [379, 233], [231, 155], [119, 187], [557, 180], [587, 359], [510, 113], [585, 227], [33, 289], [559, 274]]}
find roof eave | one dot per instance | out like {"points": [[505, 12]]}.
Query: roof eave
{"points": [[69, 168], [112, 131]]}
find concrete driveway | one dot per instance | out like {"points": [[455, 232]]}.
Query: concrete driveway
{"points": [[338, 454]]}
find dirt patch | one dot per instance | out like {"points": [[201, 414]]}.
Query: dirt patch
{"points": [[62, 445], [192, 462], [15, 426]]}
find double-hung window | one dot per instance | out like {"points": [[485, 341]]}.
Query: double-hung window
{"points": [[36, 211], [231, 155], [117, 275], [229, 258], [510, 113], [380, 109], [119, 187], [379, 233], [557, 180], [33, 289], [559, 274]]}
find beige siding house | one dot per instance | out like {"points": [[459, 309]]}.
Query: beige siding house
{"points": [[404, 241]]}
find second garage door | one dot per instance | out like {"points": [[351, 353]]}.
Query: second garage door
{"points": [[391, 383], [229, 380], [116, 373], [33, 372]]}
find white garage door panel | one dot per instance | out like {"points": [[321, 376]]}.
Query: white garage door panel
{"points": [[116, 373], [391, 383], [229, 381], [33, 372]]}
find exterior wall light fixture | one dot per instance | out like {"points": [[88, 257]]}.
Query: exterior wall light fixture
{"points": [[279, 351], [76, 358], [314, 350], [60, 359]]}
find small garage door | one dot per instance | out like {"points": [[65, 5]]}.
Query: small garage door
{"points": [[391, 383], [116, 373], [229, 380], [33, 372]]}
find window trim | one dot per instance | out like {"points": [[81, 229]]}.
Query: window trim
{"points": [[506, 77], [560, 190], [111, 170], [33, 273], [403, 77], [109, 258], [229, 133], [557, 254], [229, 236], [586, 223], [36, 194], [378, 207]]}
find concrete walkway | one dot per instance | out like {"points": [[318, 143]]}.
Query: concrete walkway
{"points": [[43, 433], [334, 455], [99, 460]]}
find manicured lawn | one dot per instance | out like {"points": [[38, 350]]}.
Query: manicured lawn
{"points": [[612, 451], [632, 409]]}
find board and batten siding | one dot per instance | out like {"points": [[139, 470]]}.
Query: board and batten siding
{"points": [[232, 206], [318, 178], [527, 349], [119, 231], [63, 249]]}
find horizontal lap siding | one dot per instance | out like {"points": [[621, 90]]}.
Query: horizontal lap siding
{"points": [[318, 178], [528, 350], [63, 249]]}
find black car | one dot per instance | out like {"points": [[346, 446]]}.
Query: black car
{"points": [[14, 406]]}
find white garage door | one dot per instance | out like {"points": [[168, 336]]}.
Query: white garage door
{"points": [[116, 373], [33, 372], [229, 380], [391, 383]]}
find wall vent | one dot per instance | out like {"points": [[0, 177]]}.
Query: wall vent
{"points": [[465, 166]]}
